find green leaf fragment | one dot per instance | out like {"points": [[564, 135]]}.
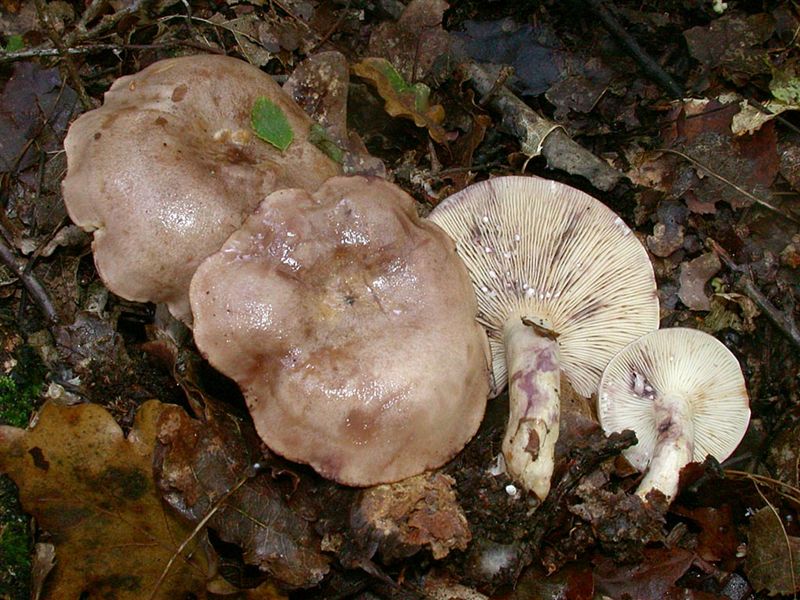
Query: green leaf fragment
{"points": [[319, 136], [270, 123], [15, 43], [420, 91]]}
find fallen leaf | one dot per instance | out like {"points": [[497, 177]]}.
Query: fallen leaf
{"points": [[731, 310], [533, 51], [773, 556], [693, 278], [653, 577], [31, 97], [269, 517], [717, 539], [92, 489], [270, 123], [732, 43], [750, 119], [415, 40], [403, 100], [701, 130], [320, 85]]}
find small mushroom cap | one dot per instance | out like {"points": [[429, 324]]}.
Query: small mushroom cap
{"points": [[169, 167], [349, 324], [682, 361], [550, 253]]}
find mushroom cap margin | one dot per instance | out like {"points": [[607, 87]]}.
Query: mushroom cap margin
{"points": [[682, 361], [349, 324], [549, 252]]}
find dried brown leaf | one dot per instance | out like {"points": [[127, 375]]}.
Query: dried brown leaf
{"points": [[773, 557], [415, 41], [403, 100], [693, 278], [652, 577], [197, 463], [92, 489]]}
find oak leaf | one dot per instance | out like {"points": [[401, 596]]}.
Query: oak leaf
{"points": [[91, 488]]}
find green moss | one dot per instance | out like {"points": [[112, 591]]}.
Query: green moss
{"points": [[15, 545], [20, 389]]}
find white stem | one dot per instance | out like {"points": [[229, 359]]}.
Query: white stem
{"points": [[674, 445], [534, 386]]}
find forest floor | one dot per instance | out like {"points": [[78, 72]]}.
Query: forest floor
{"points": [[679, 115]]}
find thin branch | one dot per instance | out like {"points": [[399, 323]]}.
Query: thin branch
{"points": [[44, 16], [46, 51], [739, 189], [650, 67], [538, 135], [33, 286], [782, 321]]}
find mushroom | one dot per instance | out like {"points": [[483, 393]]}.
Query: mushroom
{"points": [[349, 324], [683, 394], [169, 167], [562, 283]]}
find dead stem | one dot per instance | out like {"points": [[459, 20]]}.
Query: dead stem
{"points": [[44, 16], [745, 283], [742, 191], [33, 286], [538, 135]]}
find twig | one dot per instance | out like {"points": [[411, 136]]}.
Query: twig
{"points": [[333, 29], [44, 52], [583, 463], [781, 320], [790, 554], [251, 472], [539, 135], [31, 283], [741, 190], [651, 68], [44, 16], [106, 24]]}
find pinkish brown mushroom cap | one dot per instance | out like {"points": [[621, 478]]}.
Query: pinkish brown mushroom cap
{"points": [[349, 324], [169, 167]]}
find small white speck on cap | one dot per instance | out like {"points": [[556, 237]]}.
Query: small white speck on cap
{"points": [[485, 219], [511, 490], [517, 237], [487, 249], [492, 274]]}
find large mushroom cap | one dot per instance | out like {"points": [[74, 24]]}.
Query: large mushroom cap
{"points": [[168, 167], [686, 363], [544, 251], [349, 324]]}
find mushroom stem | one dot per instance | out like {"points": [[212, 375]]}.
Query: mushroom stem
{"points": [[674, 446], [535, 406]]}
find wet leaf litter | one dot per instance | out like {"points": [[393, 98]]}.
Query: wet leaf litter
{"points": [[711, 192]]}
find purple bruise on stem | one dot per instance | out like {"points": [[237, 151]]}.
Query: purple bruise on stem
{"points": [[525, 379]]}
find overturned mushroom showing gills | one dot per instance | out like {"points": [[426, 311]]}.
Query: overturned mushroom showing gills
{"points": [[169, 167], [562, 283], [349, 324], [683, 394]]}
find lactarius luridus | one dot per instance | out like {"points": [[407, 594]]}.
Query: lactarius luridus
{"points": [[170, 166], [349, 324], [682, 392], [562, 284]]}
